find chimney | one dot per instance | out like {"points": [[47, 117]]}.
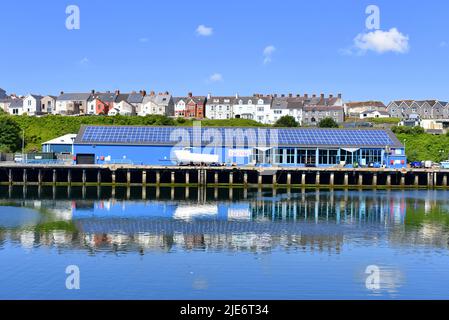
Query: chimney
{"points": [[92, 91], [236, 95], [62, 92], [313, 95], [283, 95], [339, 96], [322, 96], [152, 93], [167, 93], [306, 95], [331, 96], [298, 95], [275, 95], [143, 93], [117, 92], [209, 96], [190, 94], [290, 95]]}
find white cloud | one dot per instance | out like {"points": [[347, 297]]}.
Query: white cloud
{"points": [[202, 30], [216, 77], [381, 42], [267, 53], [84, 61]]}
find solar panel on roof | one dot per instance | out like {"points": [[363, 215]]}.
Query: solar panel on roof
{"points": [[290, 137]]}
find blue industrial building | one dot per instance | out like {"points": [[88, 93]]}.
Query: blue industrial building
{"points": [[294, 147]]}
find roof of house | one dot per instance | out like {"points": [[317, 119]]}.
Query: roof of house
{"points": [[16, 103], [279, 103], [196, 99], [35, 96], [177, 99], [221, 100], [370, 103], [122, 97], [254, 99], [246, 137], [103, 96], [66, 139], [135, 97], [74, 97], [50, 96], [322, 108], [162, 99]]}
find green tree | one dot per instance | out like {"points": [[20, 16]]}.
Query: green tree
{"points": [[286, 122], [10, 135], [328, 123]]}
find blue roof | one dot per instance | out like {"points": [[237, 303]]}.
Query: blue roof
{"points": [[234, 136]]}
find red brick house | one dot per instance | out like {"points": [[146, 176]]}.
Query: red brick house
{"points": [[101, 103], [195, 106]]}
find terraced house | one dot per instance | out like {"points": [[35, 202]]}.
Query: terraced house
{"points": [[72, 103], [158, 104], [424, 109], [219, 107]]}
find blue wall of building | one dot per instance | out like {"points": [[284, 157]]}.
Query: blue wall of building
{"points": [[163, 155]]}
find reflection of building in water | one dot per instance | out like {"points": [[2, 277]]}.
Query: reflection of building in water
{"points": [[308, 221], [338, 206]]}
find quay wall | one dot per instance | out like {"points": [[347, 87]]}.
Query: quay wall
{"points": [[240, 176]]}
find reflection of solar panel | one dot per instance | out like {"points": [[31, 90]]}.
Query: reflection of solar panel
{"points": [[205, 136]]}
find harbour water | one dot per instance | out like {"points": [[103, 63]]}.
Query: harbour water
{"points": [[223, 243]]}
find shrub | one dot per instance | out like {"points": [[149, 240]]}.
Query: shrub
{"points": [[328, 123], [286, 122]]}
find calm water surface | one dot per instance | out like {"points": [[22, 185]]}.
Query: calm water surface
{"points": [[216, 244]]}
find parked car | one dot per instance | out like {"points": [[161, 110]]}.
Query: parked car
{"points": [[416, 164], [18, 157]]}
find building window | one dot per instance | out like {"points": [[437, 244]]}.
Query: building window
{"points": [[279, 156], [328, 157], [290, 156]]}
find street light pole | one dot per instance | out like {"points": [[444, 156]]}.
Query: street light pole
{"points": [[23, 145]]}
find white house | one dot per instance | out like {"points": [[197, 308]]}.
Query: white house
{"points": [[180, 106], [157, 104], [71, 103], [256, 108], [122, 107], [374, 114], [32, 104], [16, 107], [219, 107]]}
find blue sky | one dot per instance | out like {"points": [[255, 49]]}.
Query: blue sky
{"points": [[154, 45]]}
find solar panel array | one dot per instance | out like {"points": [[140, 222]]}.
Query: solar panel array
{"points": [[283, 137]]}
